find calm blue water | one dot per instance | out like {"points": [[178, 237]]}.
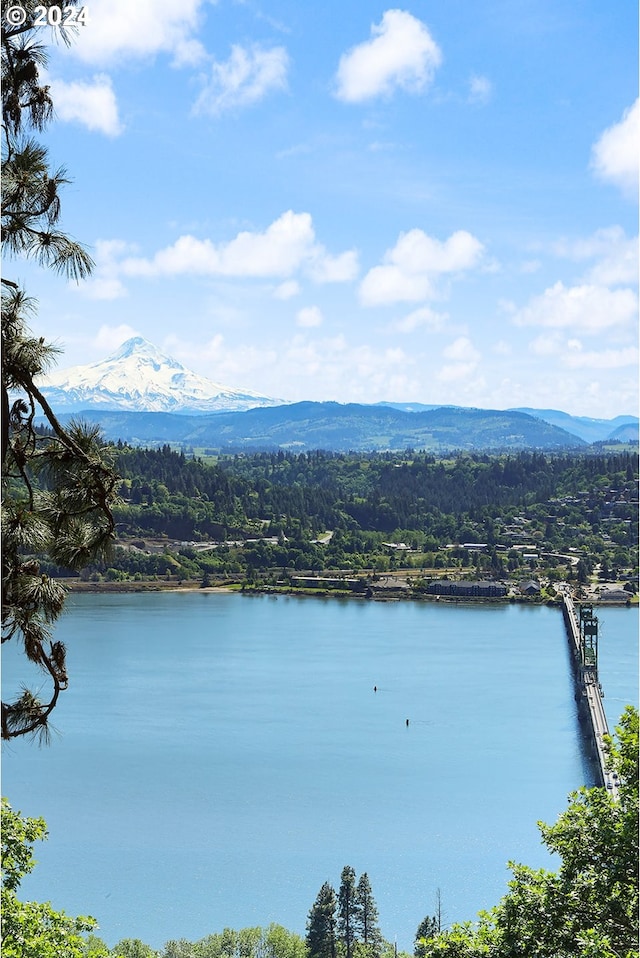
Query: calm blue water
{"points": [[220, 757]]}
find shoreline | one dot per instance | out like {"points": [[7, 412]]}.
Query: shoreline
{"points": [[378, 595]]}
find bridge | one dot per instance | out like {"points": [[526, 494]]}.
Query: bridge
{"points": [[582, 632]]}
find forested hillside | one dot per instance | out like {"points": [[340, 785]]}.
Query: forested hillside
{"points": [[243, 514]]}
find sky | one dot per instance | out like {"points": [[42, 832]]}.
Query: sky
{"points": [[436, 202]]}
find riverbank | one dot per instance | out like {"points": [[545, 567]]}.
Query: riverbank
{"points": [[388, 590]]}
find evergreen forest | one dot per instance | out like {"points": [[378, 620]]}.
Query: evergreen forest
{"points": [[264, 517]]}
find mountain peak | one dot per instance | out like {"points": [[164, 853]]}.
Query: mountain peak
{"points": [[138, 346], [140, 349], [140, 377]]}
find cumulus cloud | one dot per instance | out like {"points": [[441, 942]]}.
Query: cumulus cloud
{"points": [[286, 246], [547, 344], [287, 290], [462, 350], [456, 372], [603, 358], [92, 104], [587, 308], [245, 78], [415, 262], [334, 269], [615, 252], [464, 361], [105, 283], [119, 30], [615, 155], [278, 251], [309, 316], [401, 54], [420, 317], [480, 90]]}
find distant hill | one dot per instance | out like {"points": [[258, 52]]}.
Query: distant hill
{"points": [[144, 382], [309, 425], [623, 428]]}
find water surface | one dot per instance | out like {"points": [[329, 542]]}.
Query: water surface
{"points": [[219, 757]]}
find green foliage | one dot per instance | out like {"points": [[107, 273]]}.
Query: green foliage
{"points": [[271, 942], [31, 929], [57, 488], [348, 908], [132, 948], [428, 928], [31, 190], [321, 924], [589, 907], [346, 924], [286, 503], [366, 920]]}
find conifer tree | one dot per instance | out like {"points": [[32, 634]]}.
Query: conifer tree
{"points": [[366, 919], [321, 924], [57, 488], [427, 928], [348, 910]]}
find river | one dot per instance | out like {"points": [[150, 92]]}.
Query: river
{"points": [[219, 757]]}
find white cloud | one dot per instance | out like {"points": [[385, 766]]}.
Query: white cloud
{"points": [[617, 255], [278, 251], [108, 338], [465, 358], [287, 290], [530, 266], [618, 267], [547, 344], [420, 317], [246, 77], [401, 55], [462, 350], [455, 372], [119, 30], [480, 89], [603, 359], [105, 283], [587, 308], [309, 316], [615, 155], [287, 245], [570, 353], [334, 269], [308, 365], [91, 104], [413, 264]]}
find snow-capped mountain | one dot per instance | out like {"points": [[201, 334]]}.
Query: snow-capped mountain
{"points": [[139, 377]]}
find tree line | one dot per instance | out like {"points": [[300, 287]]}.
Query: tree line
{"points": [[277, 506]]}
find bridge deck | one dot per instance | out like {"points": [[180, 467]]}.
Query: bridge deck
{"points": [[591, 696]]}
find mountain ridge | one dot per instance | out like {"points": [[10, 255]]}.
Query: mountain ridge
{"points": [[306, 426], [140, 380]]}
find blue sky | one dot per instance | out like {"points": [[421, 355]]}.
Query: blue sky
{"points": [[435, 202]]}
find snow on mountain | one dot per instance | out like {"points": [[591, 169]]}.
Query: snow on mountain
{"points": [[139, 377]]}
